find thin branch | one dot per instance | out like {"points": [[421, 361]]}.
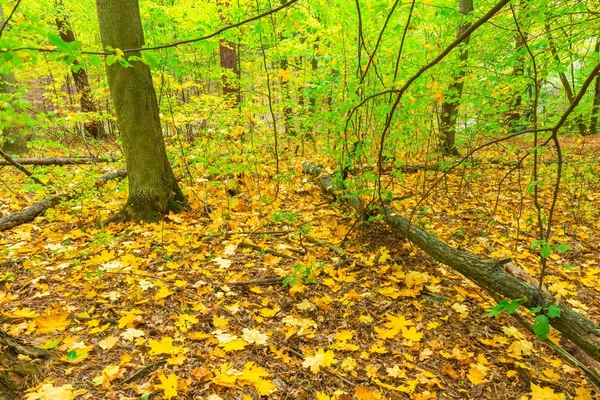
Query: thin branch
{"points": [[167, 45], [5, 23], [21, 168]]}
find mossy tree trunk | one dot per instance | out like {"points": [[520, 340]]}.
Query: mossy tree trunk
{"points": [[92, 126], [449, 114], [13, 140], [153, 189]]}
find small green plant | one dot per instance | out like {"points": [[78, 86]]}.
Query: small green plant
{"points": [[301, 273], [541, 323]]}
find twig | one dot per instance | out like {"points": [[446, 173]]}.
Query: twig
{"points": [[268, 251], [145, 369], [21, 168], [265, 282]]}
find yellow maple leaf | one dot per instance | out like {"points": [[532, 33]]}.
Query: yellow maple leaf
{"points": [[412, 334], [236, 344], [22, 313], [363, 393], [226, 376], [219, 323], [344, 335], [165, 346], [48, 391], [520, 348], [322, 396], [540, 393], [477, 373], [52, 320], [176, 359], [108, 342], [185, 322], [348, 364], [254, 375], [162, 293], [397, 322], [285, 75], [109, 373], [130, 319], [254, 336], [583, 394], [269, 312], [168, 384], [132, 333], [320, 359], [386, 333]]}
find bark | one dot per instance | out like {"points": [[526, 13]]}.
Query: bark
{"points": [[229, 62], [80, 76], [285, 93], [58, 161], [153, 189], [14, 142], [514, 114], [16, 373], [596, 104], [449, 114], [565, 82], [488, 274], [28, 214]]}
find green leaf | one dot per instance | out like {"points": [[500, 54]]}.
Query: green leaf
{"points": [[510, 306], [546, 250], [563, 248], [553, 311], [541, 327]]}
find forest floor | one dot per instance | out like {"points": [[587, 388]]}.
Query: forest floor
{"points": [[289, 296]]}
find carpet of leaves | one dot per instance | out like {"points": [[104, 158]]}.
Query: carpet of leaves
{"points": [[243, 298]]}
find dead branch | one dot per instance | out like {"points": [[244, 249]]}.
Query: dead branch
{"points": [[58, 160], [488, 274]]}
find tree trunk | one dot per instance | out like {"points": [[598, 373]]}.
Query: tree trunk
{"points": [[153, 189], [596, 104], [229, 62], [565, 82], [285, 91], [14, 141], [79, 74], [488, 274], [449, 114]]}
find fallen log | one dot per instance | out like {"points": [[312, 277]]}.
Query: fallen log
{"points": [[29, 213], [59, 160], [16, 371], [120, 173], [488, 274]]}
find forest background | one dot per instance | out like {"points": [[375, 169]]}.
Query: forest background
{"points": [[324, 199]]}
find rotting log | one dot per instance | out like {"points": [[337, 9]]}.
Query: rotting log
{"points": [[28, 213], [18, 372], [488, 274], [120, 173], [59, 161]]}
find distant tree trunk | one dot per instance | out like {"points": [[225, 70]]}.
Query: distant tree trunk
{"points": [[285, 92], [514, 113], [565, 82], [450, 105], [229, 62], [80, 77], [14, 141], [596, 104], [153, 189]]}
